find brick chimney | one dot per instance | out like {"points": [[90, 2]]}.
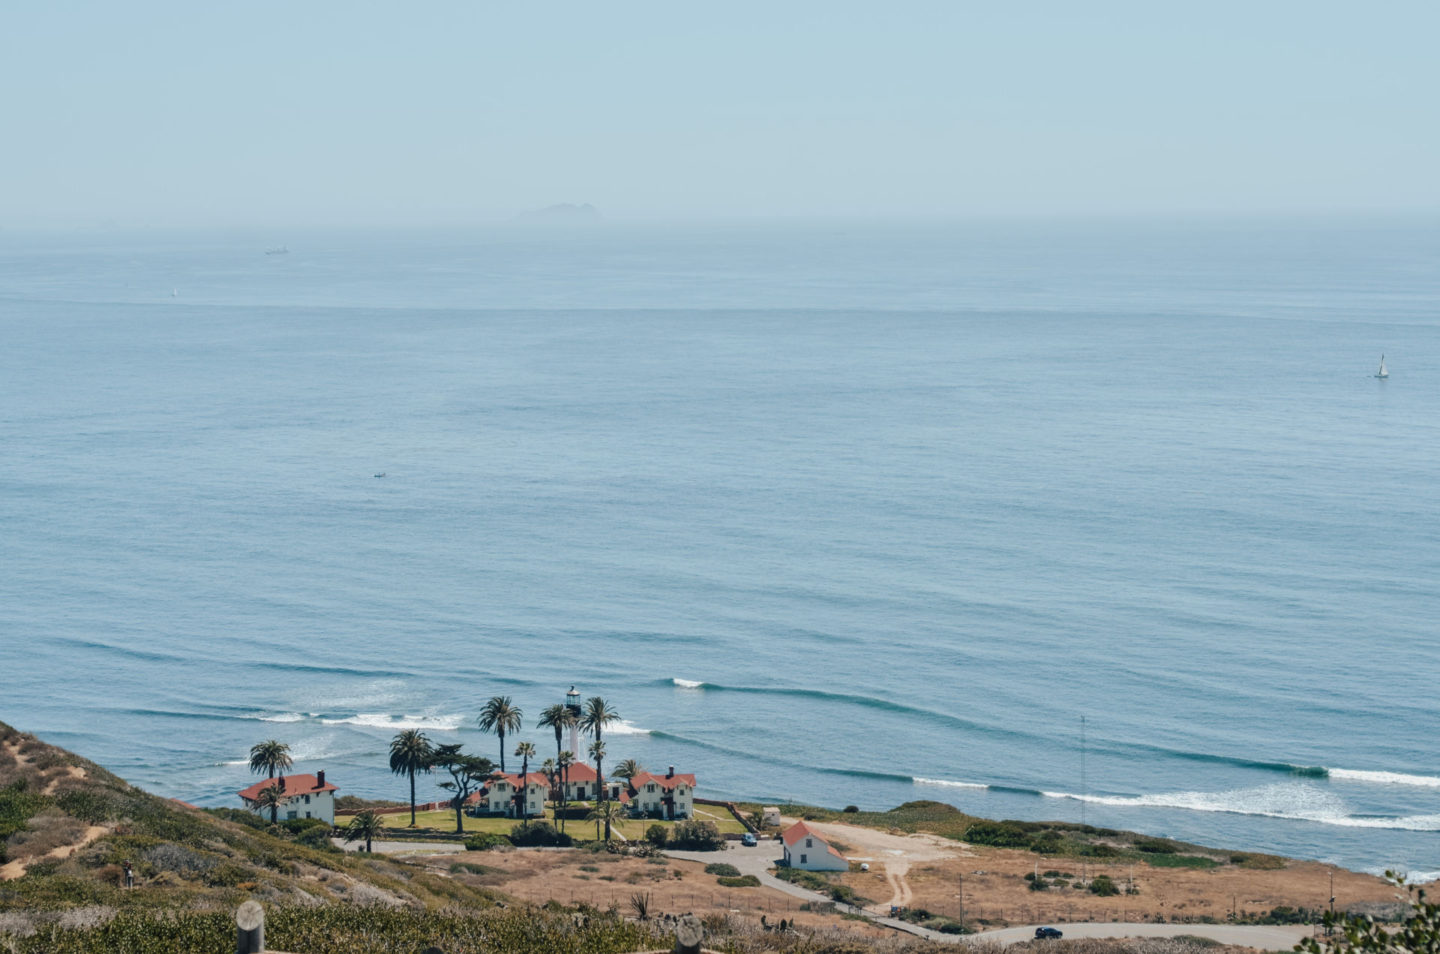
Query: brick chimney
{"points": [[320, 779], [282, 783]]}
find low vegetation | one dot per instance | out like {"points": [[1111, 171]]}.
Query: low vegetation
{"points": [[69, 827], [345, 929], [1059, 839]]}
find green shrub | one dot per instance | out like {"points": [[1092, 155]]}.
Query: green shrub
{"points": [[691, 835], [851, 809], [317, 837], [296, 826], [998, 834], [539, 835], [1103, 886], [743, 881], [486, 841], [657, 835], [1156, 846], [723, 869], [1181, 861]]}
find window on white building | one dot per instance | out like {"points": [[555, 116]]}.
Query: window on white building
{"points": [[802, 859]]}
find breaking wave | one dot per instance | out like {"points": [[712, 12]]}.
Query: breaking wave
{"points": [[625, 728], [947, 783], [381, 720], [1385, 778], [1295, 802]]}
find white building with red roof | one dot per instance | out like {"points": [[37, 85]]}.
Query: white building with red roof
{"points": [[807, 849], [503, 794], [671, 795], [582, 784], [302, 796]]}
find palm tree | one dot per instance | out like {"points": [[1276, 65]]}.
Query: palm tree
{"points": [[365, 824], [628, 769], [500, 716], [563, 763], [559, 718], [410, 752], [525, 750], [269, 756], [607, 812], [596, 716], [271, 797], [597, 752]]}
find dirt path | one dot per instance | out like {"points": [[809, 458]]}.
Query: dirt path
{"points": [[902, 895], [895, 851], [15, 869]]}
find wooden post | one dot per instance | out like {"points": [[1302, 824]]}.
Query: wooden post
{"points": [[250, 928], [689, 932]]}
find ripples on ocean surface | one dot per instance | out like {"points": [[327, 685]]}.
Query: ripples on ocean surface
{"points": [[836, 515]]}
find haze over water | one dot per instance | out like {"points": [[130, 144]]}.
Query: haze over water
{"points": [[844, 514]]}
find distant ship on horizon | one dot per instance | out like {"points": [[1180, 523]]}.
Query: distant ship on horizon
{"points": [[281, 250]]}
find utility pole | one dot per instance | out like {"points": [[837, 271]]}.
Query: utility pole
{"points": [[1330, 928], [962, 902]]}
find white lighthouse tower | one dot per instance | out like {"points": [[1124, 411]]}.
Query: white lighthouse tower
{"points": [[572, 706]]}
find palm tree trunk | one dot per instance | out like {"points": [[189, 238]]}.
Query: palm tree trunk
{"points": [[412, 798], [501, 732]]}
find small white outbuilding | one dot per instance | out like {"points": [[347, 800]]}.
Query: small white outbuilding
{"points": [[807, 849]]}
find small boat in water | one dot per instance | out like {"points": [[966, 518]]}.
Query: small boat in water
{"points": [[1383, 372], [280, 250]]}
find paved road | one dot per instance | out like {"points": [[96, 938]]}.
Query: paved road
{"points": [[1264, 937]]}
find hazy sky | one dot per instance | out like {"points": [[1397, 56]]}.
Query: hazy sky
{"points": [[314, 112]]}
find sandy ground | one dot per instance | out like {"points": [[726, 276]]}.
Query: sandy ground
{"points": [[931, 872], [602, 880]]}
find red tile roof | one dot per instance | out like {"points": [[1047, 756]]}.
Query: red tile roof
{"points": [[800, 830], [294, 785], [666, 782], [534, 778], [580, 772]]}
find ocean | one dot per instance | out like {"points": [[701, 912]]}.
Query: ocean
{"points": [[1101, 521]]}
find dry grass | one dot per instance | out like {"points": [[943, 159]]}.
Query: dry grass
{"points": [[45, 832]]}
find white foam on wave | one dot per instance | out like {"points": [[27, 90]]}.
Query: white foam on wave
{"points": [[1422, 877], [1384, 778], [281, 717], [625, 728], [946, 783], [1297, 802], [383, 720], [687, 683]]}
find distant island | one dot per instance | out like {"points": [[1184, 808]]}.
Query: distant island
{"points": [[566, 213]]}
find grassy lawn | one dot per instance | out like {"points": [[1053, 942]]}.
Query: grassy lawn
{"points": [[444, 821]]}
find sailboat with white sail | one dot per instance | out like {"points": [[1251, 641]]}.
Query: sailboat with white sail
{"points": [[1383, 373]]}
